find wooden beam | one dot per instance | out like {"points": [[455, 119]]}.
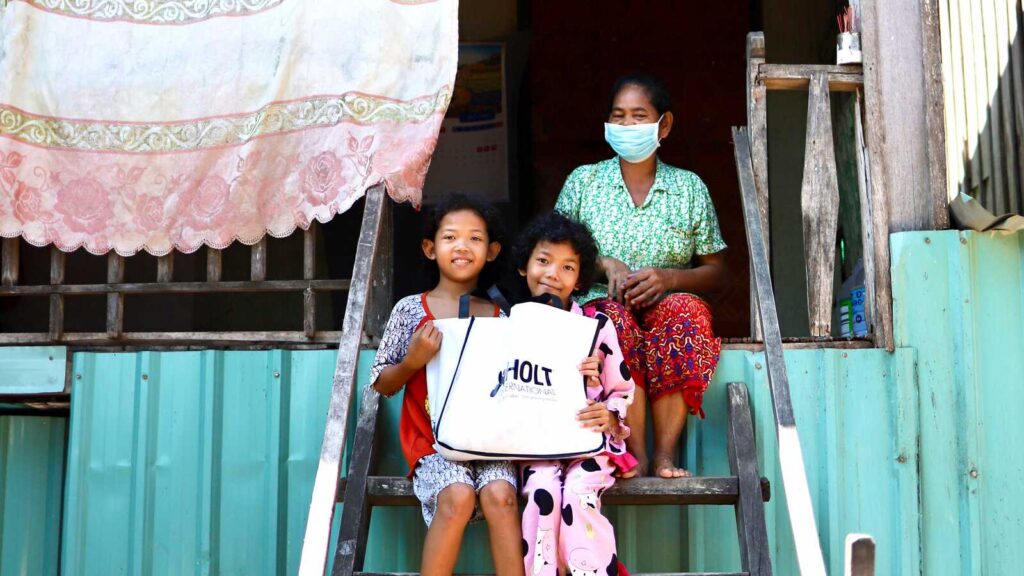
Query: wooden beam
{"points": [[172, 338], [258, 260], [309, 272], [11, 261], [648, 491], [757, 124], [179, 287], [798, 76], [355, 516], [794, 476], [213, 265], [165, 268], [897, 76], [380, 297], [866, 217], [325, 486], [819, 203], [750, 523], [57, 259], [115, 300], [935, 118]]}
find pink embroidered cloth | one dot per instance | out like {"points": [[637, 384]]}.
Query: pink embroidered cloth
{"points": [[169, 124]]}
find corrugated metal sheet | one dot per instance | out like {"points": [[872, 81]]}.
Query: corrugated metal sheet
{"points": [[32, 369], [959, 300], [982, 71], [31, 482], [856, 414], [192, 462], [205, 465]]}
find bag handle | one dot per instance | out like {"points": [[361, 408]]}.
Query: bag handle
{"points": [[464, 301], [494, 293], [550, 299]]}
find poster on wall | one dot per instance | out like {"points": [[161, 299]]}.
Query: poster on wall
{"points": [[472, 150]]}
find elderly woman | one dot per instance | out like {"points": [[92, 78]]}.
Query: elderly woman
{"points": [[660, 245]]}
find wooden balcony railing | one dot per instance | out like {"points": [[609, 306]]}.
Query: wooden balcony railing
{"points": [[819, 194]]}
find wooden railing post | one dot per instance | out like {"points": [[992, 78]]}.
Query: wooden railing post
{"points": [[819, 203], [11, 261], [757, 123], [115, 300], [791, 459], [57, 259], [258, 261], [325, 485], [309, 273]]}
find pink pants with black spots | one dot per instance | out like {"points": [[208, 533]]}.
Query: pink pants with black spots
{"points": [[562, 521]]}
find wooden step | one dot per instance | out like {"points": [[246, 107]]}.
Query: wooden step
{"points": [[397, 491], [639, 574]]}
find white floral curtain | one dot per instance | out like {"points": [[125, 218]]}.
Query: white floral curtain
{"points": [[164, 125]]}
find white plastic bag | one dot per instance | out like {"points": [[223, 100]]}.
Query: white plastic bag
{"points": [[509, 388]]}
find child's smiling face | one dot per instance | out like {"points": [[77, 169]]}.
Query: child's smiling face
{"points": [[461, 246], [553, 268]]}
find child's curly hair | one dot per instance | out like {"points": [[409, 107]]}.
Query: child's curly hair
{"points": [[557, 229], [486, 212]]}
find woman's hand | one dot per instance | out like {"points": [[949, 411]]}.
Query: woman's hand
{"points": [[591, 370], [644, 287], [598, 418], [423, 346], [616, 272]]}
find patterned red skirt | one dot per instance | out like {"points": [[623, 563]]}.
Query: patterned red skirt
{"points": [[669, 347]]}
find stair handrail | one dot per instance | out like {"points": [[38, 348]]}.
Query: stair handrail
{"points": [[791, 459], [316, 541]]}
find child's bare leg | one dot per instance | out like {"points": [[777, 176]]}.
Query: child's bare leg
{"points": [[501, 509], [455, 506]]}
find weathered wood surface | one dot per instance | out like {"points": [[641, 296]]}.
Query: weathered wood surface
{"points": [[355, 516], [258, 261], [115, 300], [794, 475], [819, 203], [325, 486], [636, 574], [180, 287], [102, 339], [706, 490], [866, 217], [213, 265], [11, 262], [935, 128], [381, 295], [895, 119], [798, 76], [165, 269], [757, 124], [860, 555], [750, 522], [57, 260]]}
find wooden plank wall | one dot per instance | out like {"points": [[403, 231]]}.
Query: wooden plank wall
{"points": [[982, 66]]}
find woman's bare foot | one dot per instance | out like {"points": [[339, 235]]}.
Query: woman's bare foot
{"points": [[665, 468]]}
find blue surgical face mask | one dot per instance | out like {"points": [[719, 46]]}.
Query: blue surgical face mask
{"points": [[634, 143]]}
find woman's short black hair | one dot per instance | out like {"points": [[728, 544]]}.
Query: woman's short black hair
{"points": [[557, 229], [656, 90], [486, 212]]}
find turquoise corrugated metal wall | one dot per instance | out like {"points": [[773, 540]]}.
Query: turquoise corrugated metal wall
{"points": [[959, 300], [192, 462], [856, 414], [201, 462], [31, 480]]}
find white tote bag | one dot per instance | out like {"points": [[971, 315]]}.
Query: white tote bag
{"points": [[509, 388]]}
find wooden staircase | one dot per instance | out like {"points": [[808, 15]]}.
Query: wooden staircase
{"points": [[745, 490]]}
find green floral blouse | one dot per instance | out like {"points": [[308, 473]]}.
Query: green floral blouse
{"points": [[676, 221]]}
